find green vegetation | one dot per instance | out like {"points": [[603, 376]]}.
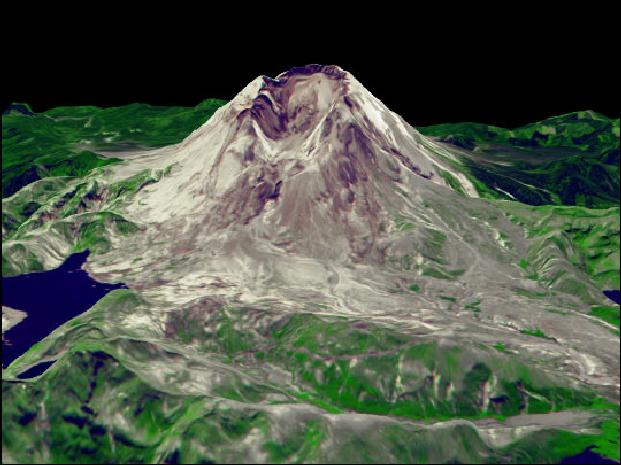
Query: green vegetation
{"points": [[227, 339], [19, 208], [103, 402], [442, 273], [610, 314], [402, 224], [135, 183], [312, 334], [534, 332], [318, 353], [585, 130], [474, 306], [435, 272], [92, 234], [570, 159], [19, 253], [452, 181], [301, 445], [432, 247], [585, 239], [552, 446], [342, 364], [368, 387], [311, 399], [338, 364], [63, 141], [65, 412], [79, 211], [530, 294]]}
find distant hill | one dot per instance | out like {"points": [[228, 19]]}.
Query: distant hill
{"points": [[62, 141], [571, 159]]}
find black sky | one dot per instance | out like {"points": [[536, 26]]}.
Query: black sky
{"points": [[507, 76]]}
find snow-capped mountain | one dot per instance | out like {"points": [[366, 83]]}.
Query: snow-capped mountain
{"points": [[301, 260], [311, 152]]}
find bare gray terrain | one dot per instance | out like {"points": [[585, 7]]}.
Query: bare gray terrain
{"points": [[11, 317], [301, 256]]}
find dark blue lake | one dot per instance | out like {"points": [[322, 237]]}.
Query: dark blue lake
{"points": [[587, 456], [36, 370], [50, 298], [612, 295]]}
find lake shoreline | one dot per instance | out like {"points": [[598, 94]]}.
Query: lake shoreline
{"points": [[47, 300]]}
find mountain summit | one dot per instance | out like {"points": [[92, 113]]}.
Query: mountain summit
{"points": [[311, 152], [309, 277]]}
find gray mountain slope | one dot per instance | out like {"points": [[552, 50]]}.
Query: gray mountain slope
{"points": [[303, 280]]}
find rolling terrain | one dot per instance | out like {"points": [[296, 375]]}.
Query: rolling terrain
{"points": [[311, 279], [570, 159]]}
